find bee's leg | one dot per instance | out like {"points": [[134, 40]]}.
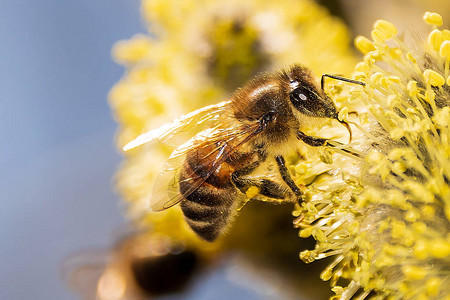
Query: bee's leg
{"points": [[266, 187], [238, 179], [310, 140], [317, 142], [286, 176]]}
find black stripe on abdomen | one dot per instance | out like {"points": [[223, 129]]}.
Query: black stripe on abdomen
{"points": [[207, 208]]}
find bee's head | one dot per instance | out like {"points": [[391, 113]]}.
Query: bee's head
{"points": [[305, 96], [282, 102]]}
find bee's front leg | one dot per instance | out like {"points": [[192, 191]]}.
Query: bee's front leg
{"points": [[310, 140], [317, 142], [284, 172]]}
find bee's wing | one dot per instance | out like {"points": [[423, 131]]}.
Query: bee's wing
{"points": [[82, 271], [181, 129], [214, 145]]}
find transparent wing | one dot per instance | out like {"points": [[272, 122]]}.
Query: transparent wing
{"points": [[82, 271], [181, 129], [212, 147]]}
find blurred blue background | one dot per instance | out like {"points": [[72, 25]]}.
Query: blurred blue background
{"points": [[58, 155]]}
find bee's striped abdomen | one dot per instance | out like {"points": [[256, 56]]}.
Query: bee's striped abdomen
{"points": [[209, 207]]}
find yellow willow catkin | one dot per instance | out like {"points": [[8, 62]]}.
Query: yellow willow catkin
{"points": [[386, 217]]}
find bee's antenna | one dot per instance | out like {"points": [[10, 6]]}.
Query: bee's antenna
{"points": [[337, 77]]}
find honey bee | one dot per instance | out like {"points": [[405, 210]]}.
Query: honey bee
{"points": [[262, 121]]}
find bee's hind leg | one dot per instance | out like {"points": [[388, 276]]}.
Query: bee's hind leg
{"points": [[267, 187]]}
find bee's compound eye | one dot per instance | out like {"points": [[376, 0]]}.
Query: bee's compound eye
{"points": [[300, 95], [307, 101]]}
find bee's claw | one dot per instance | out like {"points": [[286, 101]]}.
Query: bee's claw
{"points": [[348, 128]]}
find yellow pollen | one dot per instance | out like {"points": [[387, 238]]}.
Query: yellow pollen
{"points": [[305, 233], [364, 45], [440, 248], [414, 272], [362, 67], [433, 18], [378, 36], [326, 274], [132, 51], [446, 34], [386, 28], [435, 39], [420, 249], [252, 192], [428, 212], [412, 89], [433, 78], [410, 57], [444, 51], [433, 286]]}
